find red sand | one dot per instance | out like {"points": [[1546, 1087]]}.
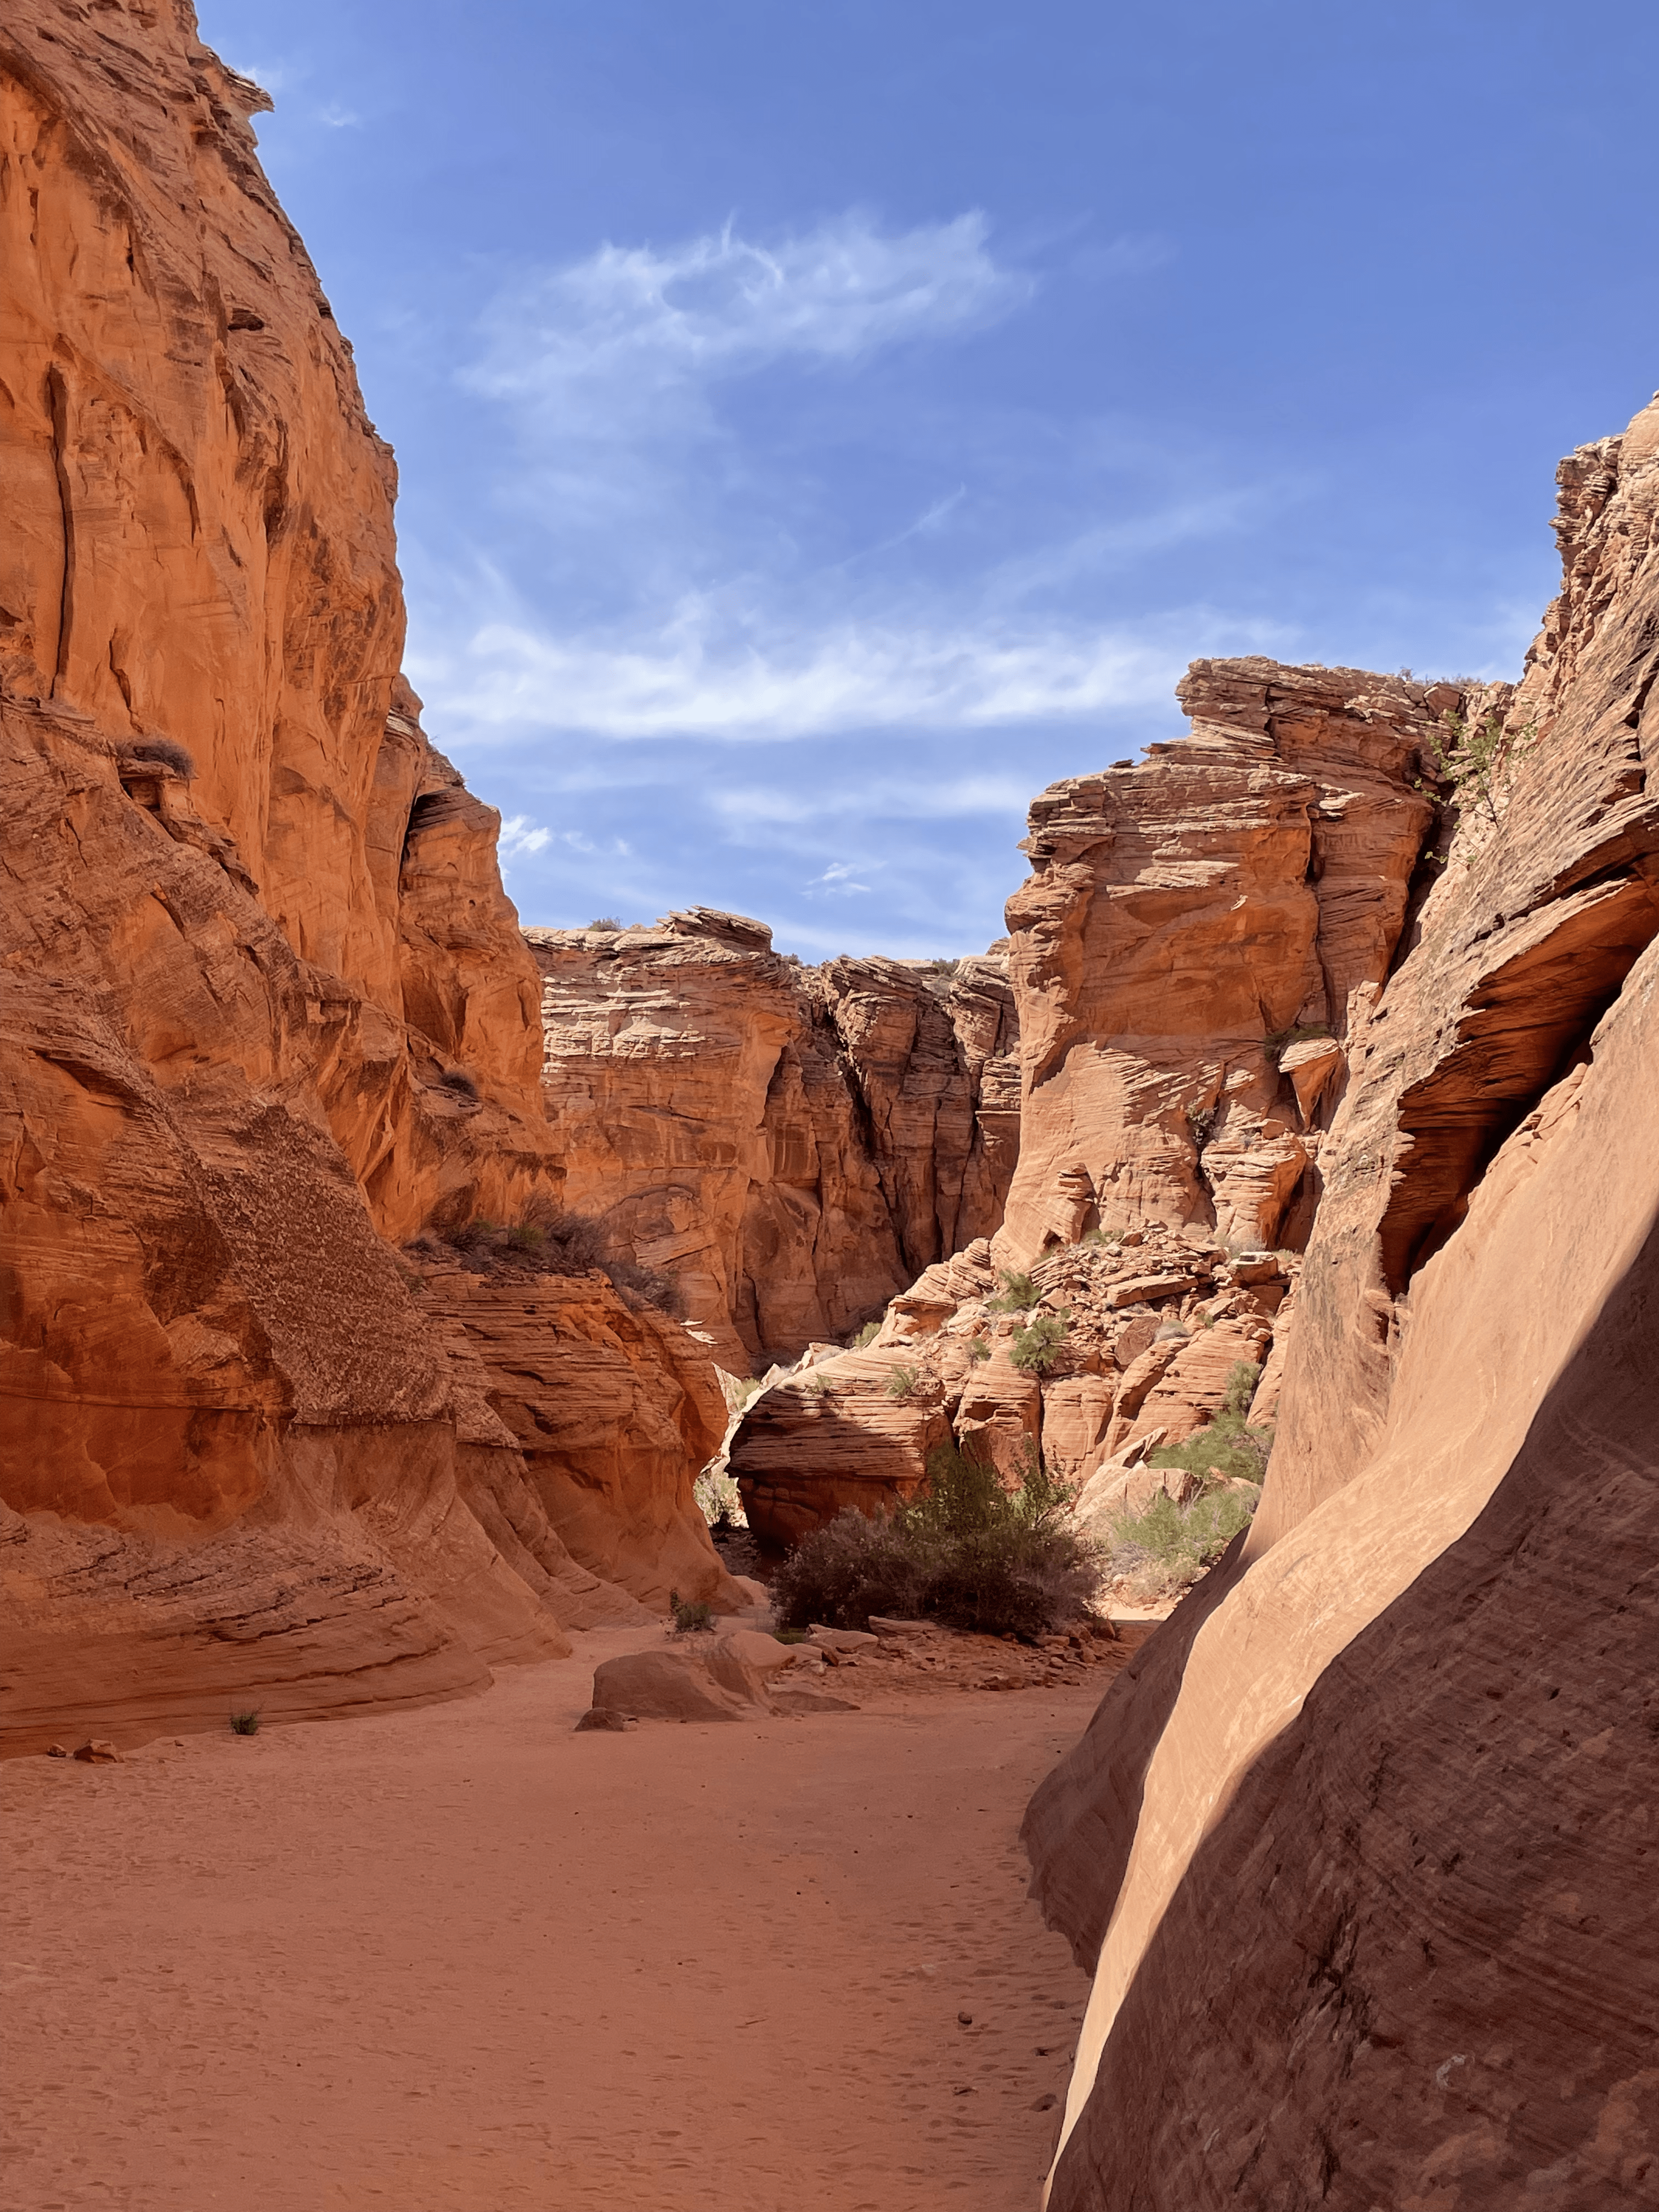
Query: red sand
{"points": [[462, 1959]]}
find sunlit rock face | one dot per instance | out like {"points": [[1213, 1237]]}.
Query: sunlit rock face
{"points": [[267, 1010], [1356, 1848], [1198, 932], [790, 1144]]}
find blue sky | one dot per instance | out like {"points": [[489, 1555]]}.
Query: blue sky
{"points": [[822, 426]]}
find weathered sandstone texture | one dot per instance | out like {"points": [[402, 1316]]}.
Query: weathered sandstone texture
{"points": [[1155, 1325], [1197, 936], [1358, 1846], [266, 1010], [789, 1144]]}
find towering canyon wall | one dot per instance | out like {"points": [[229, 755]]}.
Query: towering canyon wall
{"points": [[1356, 1850], [790, 1144], [252, 922], [1198, 938]]}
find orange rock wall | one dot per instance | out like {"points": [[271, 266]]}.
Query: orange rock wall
{"points": [[1188, 922], [792, 1145], [1356, 1846], [230, 997]]}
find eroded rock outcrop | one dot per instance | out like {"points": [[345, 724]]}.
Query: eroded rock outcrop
{"points": [[1197, 938], [1357, 1846], [791, 1146], [1154, 1328], [267, 1011]]}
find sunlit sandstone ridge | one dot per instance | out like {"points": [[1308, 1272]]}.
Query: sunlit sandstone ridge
{"points": [[253, 1447], [1359, 1849], [790, 1144], [1197, 938]]}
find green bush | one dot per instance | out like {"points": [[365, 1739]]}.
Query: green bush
{"points": [[966, 1551], [690, 1614], [1034, 1349], [867, 1334], [1478, 760], [979, 1349], [903, 1382], [1228, 1443], [1183, 1538], [1018, 1292], [244, 1723]]}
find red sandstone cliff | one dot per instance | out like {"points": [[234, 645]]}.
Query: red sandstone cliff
{"points": [[1198, 938], [1358, 1845], [237, 1454], [790, 1144]]}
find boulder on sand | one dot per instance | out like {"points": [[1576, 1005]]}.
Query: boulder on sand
{"points": [[734, 1680]]}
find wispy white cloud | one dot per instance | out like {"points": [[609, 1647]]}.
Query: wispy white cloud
{"points": [[698, 677], [520, 835], [896, 799], [604, 345], [338, 118], [837, 880]]}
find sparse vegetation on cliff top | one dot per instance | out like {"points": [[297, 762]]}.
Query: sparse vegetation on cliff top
{"points": [[551, 1239]]}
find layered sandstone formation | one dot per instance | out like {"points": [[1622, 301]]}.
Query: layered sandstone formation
{"points": [[267, 1014], [1358, 1846], [1154, 1326], [790, 1145], [1196, 940]]}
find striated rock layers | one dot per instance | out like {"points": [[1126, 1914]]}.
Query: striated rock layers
{"points": [[1153, 1330], [790, 1144], [1358, 1847], [1198, 936], [267, 1012]]}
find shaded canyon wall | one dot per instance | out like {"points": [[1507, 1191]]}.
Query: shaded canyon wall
{"points": [[1357, 1847]]}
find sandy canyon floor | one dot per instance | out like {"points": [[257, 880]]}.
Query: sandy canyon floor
{"points": [[463, 1959]]}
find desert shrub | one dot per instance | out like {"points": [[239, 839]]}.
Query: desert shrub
{"points": [[1229, 1444], [170, 754], [457, 1080], [1476, 760], [244, 1723], [691, 1613], [647, 1283], [867, 1334], [842, 1574], [608, 923], [903, 1382], [1178, 1542], [1112, 1238], [1170, 1328], [966, 1551], [1018, 1292], [555, 1241], [979, 1349], [1036, 1348]]}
